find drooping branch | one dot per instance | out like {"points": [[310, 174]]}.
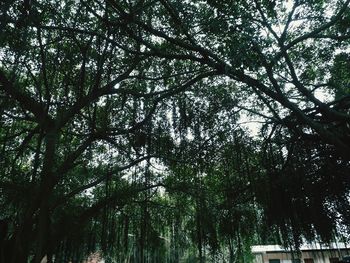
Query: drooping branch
{"points": [[99, 180]]}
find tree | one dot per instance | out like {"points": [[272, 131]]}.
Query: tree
{"points": [[66, 100], [281, 52], [95, 93]]}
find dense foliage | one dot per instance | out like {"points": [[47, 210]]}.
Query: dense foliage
{"points": [[124, 130]]}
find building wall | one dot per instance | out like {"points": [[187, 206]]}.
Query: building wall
{"points": [[286, 257]]}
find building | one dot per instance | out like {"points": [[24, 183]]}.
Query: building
{"points": [[309, 253]]}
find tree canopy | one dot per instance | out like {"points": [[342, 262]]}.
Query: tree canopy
{"points": [[124, 130]]}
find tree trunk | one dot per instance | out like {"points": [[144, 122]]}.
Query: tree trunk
{"points": [[43, 232]]}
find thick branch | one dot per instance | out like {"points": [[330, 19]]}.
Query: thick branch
{"points": [[25, 100]]}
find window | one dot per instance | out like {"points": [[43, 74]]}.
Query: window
{"points": [[274, 261], [308, 260]]}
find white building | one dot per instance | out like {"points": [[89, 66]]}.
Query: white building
{"points": [[309, 253]]}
